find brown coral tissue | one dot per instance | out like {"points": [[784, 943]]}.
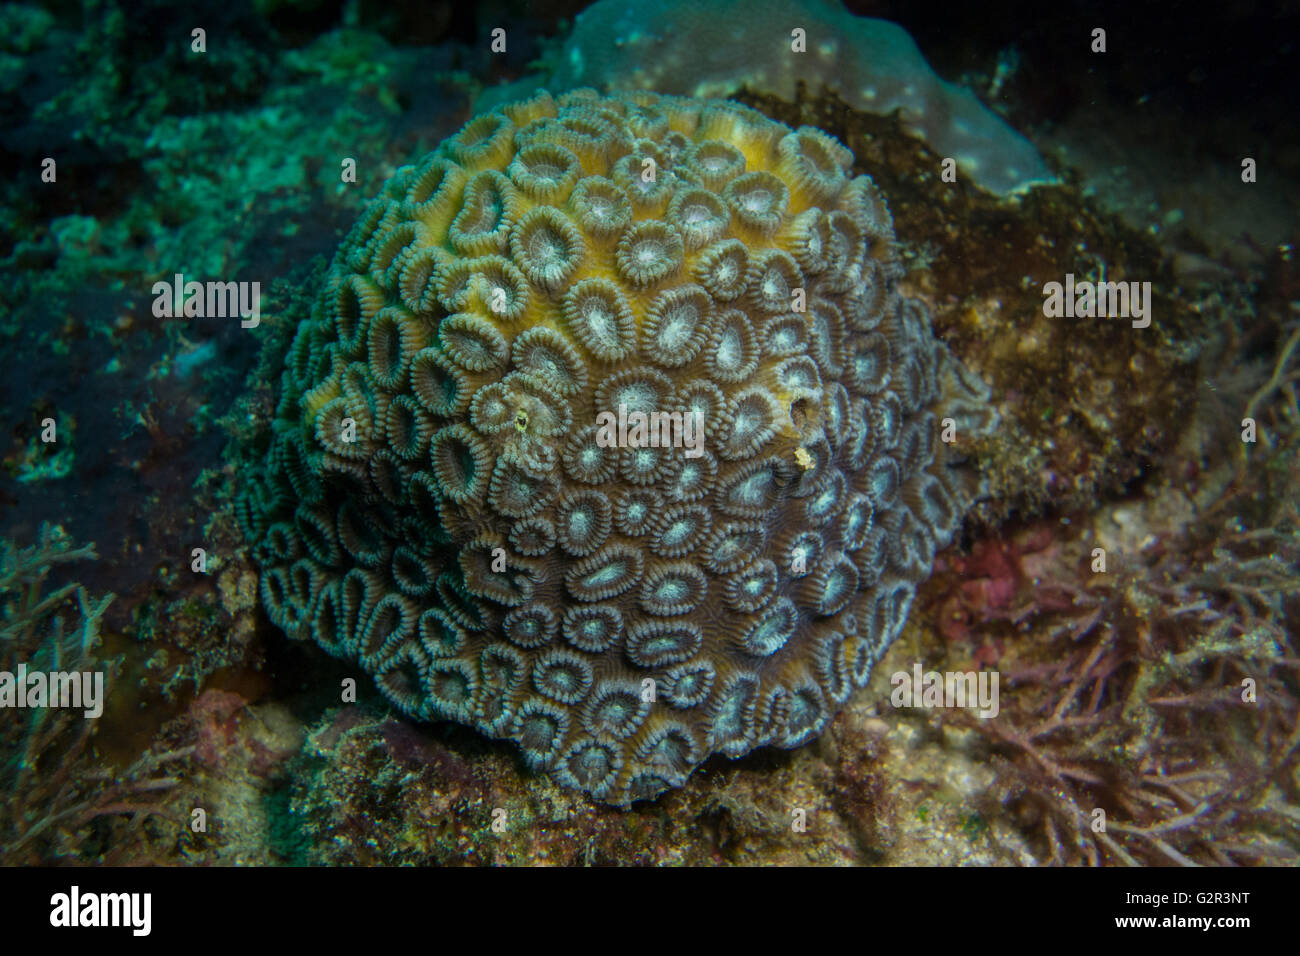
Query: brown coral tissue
{"points": [[486, 484]]}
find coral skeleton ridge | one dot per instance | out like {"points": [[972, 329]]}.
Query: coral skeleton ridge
{"points": [[436, 506]]}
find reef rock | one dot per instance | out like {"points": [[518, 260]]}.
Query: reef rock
{"points": [[771, 46]]}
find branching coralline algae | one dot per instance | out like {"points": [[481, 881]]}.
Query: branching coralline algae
{"points": [[436, 505]]}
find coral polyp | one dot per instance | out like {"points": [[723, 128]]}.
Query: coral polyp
{"points": [[446, 503]]}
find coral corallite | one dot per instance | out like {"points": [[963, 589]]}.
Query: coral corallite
{"points": [[440, 504]]}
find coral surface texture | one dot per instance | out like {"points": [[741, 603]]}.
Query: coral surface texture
{"points": [[611, 434]]}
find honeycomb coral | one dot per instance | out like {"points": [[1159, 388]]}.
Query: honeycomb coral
{"points": [[441, 505]]}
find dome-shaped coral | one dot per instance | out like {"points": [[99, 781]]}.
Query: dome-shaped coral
{"points": [[485, 485]]}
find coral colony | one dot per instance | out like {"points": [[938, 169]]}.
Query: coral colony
{"points": [[443, 502]]}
